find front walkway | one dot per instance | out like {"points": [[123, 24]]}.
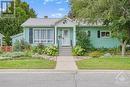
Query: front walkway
{"points": [[66, 63]]}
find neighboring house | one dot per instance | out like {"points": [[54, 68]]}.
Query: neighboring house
{"points": [[17, 37], [1, 39], [62, 32]]}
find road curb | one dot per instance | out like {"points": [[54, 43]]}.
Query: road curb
{"points": [[54, 70]]}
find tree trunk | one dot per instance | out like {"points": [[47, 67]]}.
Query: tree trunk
{"points": [[124, 48]]}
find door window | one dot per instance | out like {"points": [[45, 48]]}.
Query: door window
{"points": [[66, 37]]}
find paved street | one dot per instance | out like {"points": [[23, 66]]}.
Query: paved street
{"points": [[65, 79]]}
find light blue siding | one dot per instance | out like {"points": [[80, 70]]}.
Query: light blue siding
{"points": [[26, 35], [101, 42], [17, 38], [95, 41]]}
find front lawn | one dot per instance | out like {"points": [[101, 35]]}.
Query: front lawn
{"points": [[28, 63], [105, 63]]}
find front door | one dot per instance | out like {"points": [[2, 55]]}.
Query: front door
{"points": [[65, 37]]}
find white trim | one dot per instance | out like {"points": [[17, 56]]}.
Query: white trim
{"points": [[74, 23], [74, 36], [55, 35], [42, 40], [105, 36], [68, 44], [1, 35], [1, 41], [17, 35]]}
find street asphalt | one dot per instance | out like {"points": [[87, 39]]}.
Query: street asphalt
{"points": [[65, 79]]}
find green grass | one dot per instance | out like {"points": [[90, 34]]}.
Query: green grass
{"points": [[105, 63], [28, 63]]}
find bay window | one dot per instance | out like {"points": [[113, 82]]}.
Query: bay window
{"points": [[44, 36]]}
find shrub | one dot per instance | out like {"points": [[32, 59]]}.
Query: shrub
{"points": [[17, 46], [103, 50], [83, 40], [51, 50], [21, 46], [78, 51], [114, 50], [96, 54], [1, 51], [28, 54], [40, 49], [25, 45]]}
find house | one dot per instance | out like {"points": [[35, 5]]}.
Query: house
{"points": [[62, 32], [1, 39], [17, 37]]}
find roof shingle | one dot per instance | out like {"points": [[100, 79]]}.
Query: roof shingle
{"points": [[34, 22]]}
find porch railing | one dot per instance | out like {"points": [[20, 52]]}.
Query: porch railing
{"points": [[71, 42]]}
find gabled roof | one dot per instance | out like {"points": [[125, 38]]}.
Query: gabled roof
{"points": [[51, 22], [99, 23], [17, 35], [40, 22], [74, 22], [1, 35]]}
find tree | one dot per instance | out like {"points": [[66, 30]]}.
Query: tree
{"points": [[115, 14], [12, 26], [9, 27], [83, 40]]}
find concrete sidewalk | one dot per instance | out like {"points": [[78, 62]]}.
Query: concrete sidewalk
{"points": [[66, 63]]}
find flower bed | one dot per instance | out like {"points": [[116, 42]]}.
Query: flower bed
{"points": [[10, 55]]}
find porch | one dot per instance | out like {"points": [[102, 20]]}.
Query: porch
{"points": [[65, 36], [65, 39]]}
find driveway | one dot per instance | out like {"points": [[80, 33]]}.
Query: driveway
{"points": [[65, 79]]}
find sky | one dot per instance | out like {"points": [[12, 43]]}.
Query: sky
{"points": [[50, 8]]}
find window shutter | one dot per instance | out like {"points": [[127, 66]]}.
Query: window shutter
{"points": [[89, 33], [98, 34], [31, 36]]}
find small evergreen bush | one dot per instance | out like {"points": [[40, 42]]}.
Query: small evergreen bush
{"points": [[83, 40], [78, 51], [17, 46], [21, 46]]}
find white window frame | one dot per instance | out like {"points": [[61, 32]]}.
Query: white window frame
{"points": [[105, 35], [41, 41]]}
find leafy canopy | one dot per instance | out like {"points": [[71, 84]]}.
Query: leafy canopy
{"points": [[11, 26], [83, 40], [115, 13]]}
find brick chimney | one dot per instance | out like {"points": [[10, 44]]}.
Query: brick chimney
{"points": [[45, 17]]}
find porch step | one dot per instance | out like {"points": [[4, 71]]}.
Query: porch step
{"points": [[65, 51]]}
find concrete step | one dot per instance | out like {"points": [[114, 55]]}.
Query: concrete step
{"points": [[65, 54], [65, 51], [65, 48]]}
